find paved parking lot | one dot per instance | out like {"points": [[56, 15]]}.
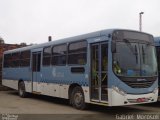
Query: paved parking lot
{"points": [[11, 103]]}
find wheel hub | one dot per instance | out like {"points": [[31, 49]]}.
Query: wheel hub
{"points": [[78, 98]]}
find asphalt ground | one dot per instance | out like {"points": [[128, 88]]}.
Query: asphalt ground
{"points": [[37, 107]]}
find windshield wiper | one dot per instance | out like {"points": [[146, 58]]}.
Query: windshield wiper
{"points": [[143, 54], [129, 45], [135, 52]]}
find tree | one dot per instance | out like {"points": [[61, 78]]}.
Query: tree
{"points": [[23, 44]]}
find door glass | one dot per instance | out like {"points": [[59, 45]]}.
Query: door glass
{"points": [[99, 65], [104, 69], [36, 62], [36, 66], [95, 72]]}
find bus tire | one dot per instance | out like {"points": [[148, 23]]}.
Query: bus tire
{"points": [[22, 90], [78, 100]]}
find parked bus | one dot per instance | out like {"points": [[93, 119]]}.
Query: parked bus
{"points": [[157, 44], [111, 67]]}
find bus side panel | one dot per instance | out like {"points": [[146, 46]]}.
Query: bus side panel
{"points": [[64, 91], [47, 89], [11, 77], [10, 83], [61, 91], [55, 81], [28, 86], [86, 94]]}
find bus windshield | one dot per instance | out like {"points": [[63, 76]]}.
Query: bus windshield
{"points": [[134, 59]]}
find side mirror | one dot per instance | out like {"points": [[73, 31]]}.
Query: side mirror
{"points": [[113, 47]]}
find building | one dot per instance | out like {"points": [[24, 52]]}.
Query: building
{"points": [[5, 47]]}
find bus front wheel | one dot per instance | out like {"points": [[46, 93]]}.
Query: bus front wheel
{"points": [[21, 89], [78, 98]]}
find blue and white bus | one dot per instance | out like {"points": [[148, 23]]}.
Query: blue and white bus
{"points": [[157, 44], [111, 67]]}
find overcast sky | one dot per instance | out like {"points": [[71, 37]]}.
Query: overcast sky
{"points": [[32, 21]]}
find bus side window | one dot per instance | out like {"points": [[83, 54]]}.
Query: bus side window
{"points": [[59, 53], [6, 60], [77, 53], [16, 59], [25, 58], [47, 56]]}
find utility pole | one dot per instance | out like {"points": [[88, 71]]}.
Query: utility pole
{"points": [[140, 20]]}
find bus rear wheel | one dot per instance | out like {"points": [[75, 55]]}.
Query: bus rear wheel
{"points": [[78, 101], [22, 90]]}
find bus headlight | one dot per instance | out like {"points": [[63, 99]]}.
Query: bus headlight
{"points": [[118, 90], [155, 90]]}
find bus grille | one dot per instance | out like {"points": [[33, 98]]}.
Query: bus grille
{"points": [[132, 82], [139, 84]]}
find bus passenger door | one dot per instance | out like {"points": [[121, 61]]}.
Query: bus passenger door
{"points": [[36, 67], [99, 69]]}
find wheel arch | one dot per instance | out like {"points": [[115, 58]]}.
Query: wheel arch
{"points": [[71, 87], [22, 88], [74, 90], [20, 80]]}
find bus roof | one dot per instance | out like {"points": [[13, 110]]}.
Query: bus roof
{"points": [[70, 39]]}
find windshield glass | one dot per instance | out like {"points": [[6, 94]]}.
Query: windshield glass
{"points": [[134, 59], [148, 60]]}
